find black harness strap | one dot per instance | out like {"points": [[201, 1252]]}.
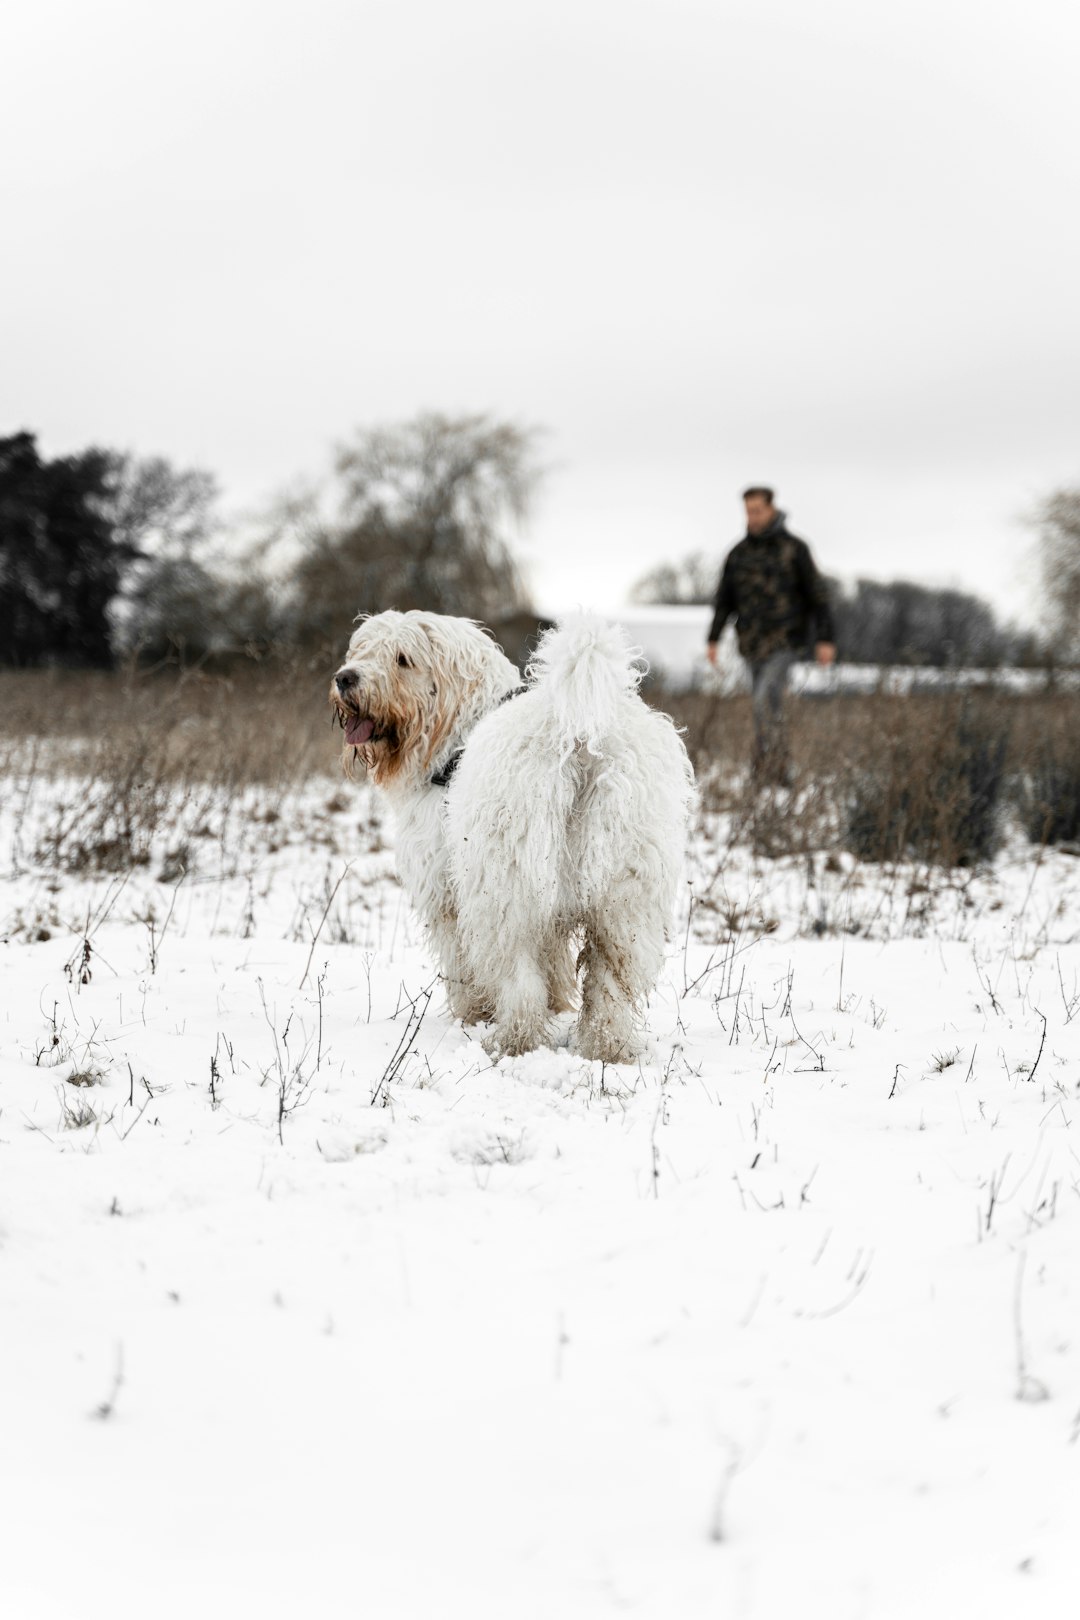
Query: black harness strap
{"points": [[441, 778]]}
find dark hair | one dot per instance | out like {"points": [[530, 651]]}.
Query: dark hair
{"points": [[762, 490]]}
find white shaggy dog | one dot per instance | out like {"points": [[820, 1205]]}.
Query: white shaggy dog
{"points": [[540, 828]]}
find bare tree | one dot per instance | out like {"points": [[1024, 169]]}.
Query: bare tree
{"points": [[1057, 521], [164, 517], [155, 507], [900, 622], [420, 515], [426, 511], [694, 578]]}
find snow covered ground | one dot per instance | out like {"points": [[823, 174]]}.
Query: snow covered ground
{"points": [[310, 1309]]}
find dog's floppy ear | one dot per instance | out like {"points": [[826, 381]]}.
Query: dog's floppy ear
{"points": [[463, 653], [466, 670]]}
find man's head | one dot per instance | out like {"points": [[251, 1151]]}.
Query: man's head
{"points": [[760, 510]]}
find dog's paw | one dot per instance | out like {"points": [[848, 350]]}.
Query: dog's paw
{"points": [[503, 1042], [608, 1046]]}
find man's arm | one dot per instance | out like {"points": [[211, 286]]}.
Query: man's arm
{"points": [[723, 608], [816, 595]]}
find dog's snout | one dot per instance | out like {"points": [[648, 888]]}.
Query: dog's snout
{"points": [[346, 680]]}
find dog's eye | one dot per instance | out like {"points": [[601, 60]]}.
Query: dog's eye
{"points": [[403, 662]]}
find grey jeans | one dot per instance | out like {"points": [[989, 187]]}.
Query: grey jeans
{"points": [[768, 680]]}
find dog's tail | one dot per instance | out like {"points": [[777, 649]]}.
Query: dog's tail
{"points": [[583, 670]]}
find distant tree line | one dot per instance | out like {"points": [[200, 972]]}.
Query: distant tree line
{"points": [[105, 556], [900, 622], [62, 558]]}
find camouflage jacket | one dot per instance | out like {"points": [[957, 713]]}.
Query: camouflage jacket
{"points": [[776, 595]]}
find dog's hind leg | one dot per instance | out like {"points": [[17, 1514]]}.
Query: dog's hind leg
{"points": [[561, 974], [521, 1006], [505, 851], [509, 971], [621, 957]]}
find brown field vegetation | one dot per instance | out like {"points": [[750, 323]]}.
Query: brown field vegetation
{"points": [[140, 764], [933, 777], [259, 725]]}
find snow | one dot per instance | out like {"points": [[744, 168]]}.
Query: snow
{"points": [[781, 1320]]}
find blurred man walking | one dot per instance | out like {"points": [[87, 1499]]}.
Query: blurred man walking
{"points": [[779, 602]]}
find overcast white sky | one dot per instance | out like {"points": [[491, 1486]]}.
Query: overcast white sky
{"points": [[831, 245]]}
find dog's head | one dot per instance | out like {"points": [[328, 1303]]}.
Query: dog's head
{"points": [[411, 685]]}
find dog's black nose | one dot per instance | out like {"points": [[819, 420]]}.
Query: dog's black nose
{"points": [[345, 681]]}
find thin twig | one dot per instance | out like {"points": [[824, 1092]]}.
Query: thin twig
{"points": [[404, 1046], [326, 912], [107, 1407], [1042, 1043]]}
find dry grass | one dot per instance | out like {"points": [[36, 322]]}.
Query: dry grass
{"points": [[1047, 783], [155, 761], [258, 726], [933, 777], [140, 765]]}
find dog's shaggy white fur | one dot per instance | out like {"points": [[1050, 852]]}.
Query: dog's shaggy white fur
{"points": [[540, 831]]}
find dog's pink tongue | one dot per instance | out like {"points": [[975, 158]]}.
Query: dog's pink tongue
{"points": [[358, 730]]}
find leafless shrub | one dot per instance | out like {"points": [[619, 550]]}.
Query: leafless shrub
{"points": [[76, 1115], [927, 776], [933, 791], [1046, 784], [141, 768]]}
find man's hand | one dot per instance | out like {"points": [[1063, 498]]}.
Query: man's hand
{"points": [[711, 651], [825, 652]]}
